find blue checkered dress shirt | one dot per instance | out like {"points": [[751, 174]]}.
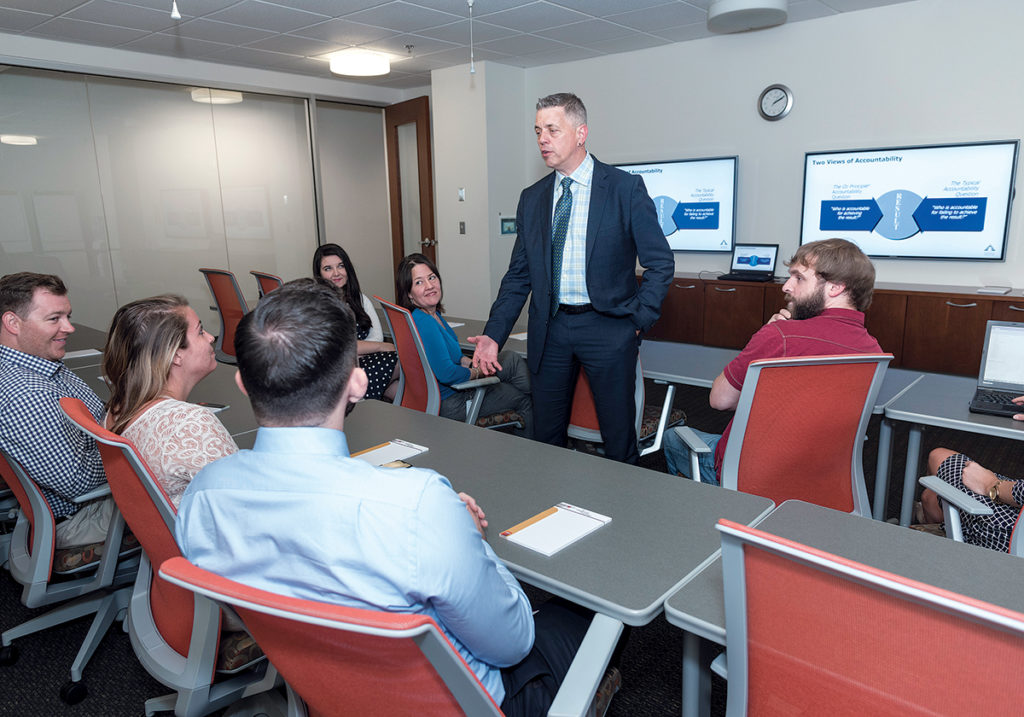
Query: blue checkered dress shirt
{"points": [[35, 432], [574, 260]]}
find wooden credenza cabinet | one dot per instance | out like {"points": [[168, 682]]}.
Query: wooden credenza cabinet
{"points": [[929, 328]]}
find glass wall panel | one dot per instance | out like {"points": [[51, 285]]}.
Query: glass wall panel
{"points": [[50, 206]]}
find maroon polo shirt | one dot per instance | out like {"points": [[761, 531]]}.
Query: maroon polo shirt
{"points": [[832, 332]]}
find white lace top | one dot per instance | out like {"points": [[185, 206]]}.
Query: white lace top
{"points": [[177, 439]]}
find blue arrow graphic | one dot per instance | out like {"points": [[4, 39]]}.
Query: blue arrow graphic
{"points": [[849, 215]]}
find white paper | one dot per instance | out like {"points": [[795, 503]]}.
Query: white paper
{"points": [[82, 352], [394, 450], [521, 336], [567, 524]]}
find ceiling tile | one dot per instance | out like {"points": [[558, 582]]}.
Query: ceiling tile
{"points": [[459, 32], [604, 8], [344, 32], [585, 33], [536, 16], [168, 44], [522, 45], [19, 20], [91, 33], [112, 13], [461, 8], [396, 44], [266, 16], [808, 10], [660, 17], [187, 8], [403, 17], [683, 33], [293, 45], [48, 7], [223, 32]]}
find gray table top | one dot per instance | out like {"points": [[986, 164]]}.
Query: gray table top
{"points": [[942, 400], [661, 529], [967, 569]]}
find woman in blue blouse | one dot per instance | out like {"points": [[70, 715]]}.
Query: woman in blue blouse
{"points": [[418, 289]]}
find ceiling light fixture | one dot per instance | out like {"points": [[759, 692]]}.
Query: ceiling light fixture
{"points": [[215, 97], [357, 62], [740, 15], [175, 15], [19, 140], [472, 65]]}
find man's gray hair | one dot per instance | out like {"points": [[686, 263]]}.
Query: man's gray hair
{"points": [[570, 103]]}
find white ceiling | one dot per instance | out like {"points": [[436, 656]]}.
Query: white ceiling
{"points": [[293, 35]]}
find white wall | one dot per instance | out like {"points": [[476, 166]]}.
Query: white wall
{"points": [[922, 72]]}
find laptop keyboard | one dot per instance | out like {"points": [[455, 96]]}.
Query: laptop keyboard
{"points": [[994, 401]]}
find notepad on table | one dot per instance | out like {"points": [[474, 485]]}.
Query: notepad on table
{"points": [[555, 528], [394, 450]]}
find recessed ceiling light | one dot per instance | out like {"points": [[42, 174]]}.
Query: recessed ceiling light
{"points": [[215, 97], [360, 63], [21, 140]]}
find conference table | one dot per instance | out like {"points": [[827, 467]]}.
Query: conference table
{"points": [[941, 400], [697, 606], [661, 530]]}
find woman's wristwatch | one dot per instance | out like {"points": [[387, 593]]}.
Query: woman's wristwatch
{"points": [[993, 492]]}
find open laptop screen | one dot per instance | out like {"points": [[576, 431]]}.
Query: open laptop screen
{"points": [[1002, 363], [754, 257]]}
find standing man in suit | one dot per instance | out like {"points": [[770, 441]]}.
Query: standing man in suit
{"points": [[580, 231]]}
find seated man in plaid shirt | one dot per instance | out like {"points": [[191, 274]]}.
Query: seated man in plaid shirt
{"points": [[35, 321]]}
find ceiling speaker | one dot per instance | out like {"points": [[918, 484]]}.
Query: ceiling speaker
{"points": [[739, 15]]}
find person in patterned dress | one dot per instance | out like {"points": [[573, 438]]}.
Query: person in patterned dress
{"points": [[376, 357]]}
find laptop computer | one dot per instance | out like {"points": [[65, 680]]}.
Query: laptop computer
{"points": [[752, 262], [1002, 370]]}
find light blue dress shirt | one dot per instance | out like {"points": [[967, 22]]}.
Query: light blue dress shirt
{"points": [[296, 515], [573, 286]]}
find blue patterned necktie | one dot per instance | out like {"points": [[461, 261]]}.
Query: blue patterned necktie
{"points": [[559, 228]]}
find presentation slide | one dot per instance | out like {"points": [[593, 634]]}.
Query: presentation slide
{"points": [[940, 202], [695, 199]]}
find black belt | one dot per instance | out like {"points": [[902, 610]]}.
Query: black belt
{"points": [[575, 308]]}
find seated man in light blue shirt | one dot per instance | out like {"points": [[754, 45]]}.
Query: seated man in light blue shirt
{"points": [[296, 515]]}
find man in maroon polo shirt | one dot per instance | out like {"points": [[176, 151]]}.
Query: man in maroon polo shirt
{"points": [[829, 288]]}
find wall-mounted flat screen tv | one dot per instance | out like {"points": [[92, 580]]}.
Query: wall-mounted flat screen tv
{"points": [[948, 201], [695, 199]]}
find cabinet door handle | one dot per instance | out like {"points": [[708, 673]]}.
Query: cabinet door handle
{"points": [[962, 306], [694, 286], [725, 291], [1015, 308]]}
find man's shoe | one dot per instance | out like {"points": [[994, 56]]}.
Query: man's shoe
{"points": [[610, 684]]}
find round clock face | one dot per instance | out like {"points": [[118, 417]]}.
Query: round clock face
{"points": [[775, 102]]}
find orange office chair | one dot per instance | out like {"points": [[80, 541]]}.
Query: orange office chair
{"points": [[651, 421], [231, 307], [175, 635], [799, 430], [266, 282], [374, 662], [418, 388], [99, 588], [810, 632]]}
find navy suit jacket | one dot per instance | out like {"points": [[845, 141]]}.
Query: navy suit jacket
{"points": [[622, 226]]}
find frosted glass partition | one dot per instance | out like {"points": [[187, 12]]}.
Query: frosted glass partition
{"points": [[132, 187], [51, 213], [266, 177], [355, 191]]}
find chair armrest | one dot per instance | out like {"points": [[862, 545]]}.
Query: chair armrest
{"points": [[475, 383], [963, 502], [588, 667], [691, 439], [720, 665], [101, 492]]}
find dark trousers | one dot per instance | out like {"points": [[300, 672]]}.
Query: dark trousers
{"points": [[606, 348], [531, 685]]}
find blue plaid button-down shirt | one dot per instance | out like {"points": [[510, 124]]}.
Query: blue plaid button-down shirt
{"points": [[574, 260], [62, 461]]}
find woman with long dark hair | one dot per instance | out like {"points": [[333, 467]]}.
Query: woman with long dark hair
{"points": [[376, 357]]}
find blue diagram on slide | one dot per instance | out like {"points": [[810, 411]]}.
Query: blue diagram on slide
{"points": [[673, 215], [900, 214]]}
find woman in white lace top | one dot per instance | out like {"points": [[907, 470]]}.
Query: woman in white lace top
{"points": [[156, 352]]}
